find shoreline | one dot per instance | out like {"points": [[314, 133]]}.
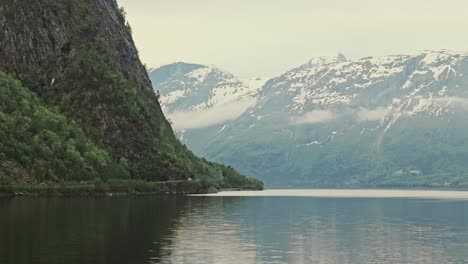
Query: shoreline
{"points": [[113, 188], [211, 191], [349, 194]]}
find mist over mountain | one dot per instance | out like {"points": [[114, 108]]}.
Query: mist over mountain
{"points": [[200, 100], [385, 121]]}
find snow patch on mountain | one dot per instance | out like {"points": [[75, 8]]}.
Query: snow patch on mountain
{"points": [[374, 94], [172, 97], [325, 83], [255, 83], [200, 75], [202, 95]]}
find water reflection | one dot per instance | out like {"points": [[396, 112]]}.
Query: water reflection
{"points": [[310, 230], [232, 230], [210, 231], [80, 230]]}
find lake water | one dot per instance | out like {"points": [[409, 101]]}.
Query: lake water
{"points": [[276, 226]]}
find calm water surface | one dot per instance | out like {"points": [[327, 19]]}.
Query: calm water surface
{"points": [[278, 226]]}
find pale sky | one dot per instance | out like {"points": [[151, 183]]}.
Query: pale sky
{"points": [[264, 38]]}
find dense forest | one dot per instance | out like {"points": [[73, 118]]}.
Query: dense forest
{"points": [[76, 103]]}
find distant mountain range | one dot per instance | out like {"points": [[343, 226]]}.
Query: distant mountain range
{"points": [[385, 121]]}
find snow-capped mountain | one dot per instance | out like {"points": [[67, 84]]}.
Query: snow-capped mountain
{"points": [[399, 83], [198, 87], [199, 100], [393, 120]]}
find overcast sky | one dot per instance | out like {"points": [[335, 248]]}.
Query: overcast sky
{"points": [[266, 37]]}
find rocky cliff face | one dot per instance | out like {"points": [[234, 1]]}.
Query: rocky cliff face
{"points": [[36, 33], [42, 39], [80, 59]]}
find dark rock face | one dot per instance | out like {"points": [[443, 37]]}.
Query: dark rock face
{"points": [[10, 167], [40, 40], [125, 52], [33, 34], [30, 38], [79, 57]]}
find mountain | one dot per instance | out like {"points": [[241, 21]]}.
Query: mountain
{"points": [[378, 121], [75, 65], [200, 100]]}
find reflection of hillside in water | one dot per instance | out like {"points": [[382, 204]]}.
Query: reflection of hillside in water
{"points": [[210, 230], [84, 230], [234, 230], [325, 242], [310, 230]]}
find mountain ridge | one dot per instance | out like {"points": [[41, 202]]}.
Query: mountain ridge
{"points": [[315, 122], [200, 89]]}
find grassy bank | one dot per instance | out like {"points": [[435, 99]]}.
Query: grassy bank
{"points": [[110, 187]]}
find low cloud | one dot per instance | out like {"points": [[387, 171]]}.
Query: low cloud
{"points": [[314, 117], [325, 116], [457, 101], [184, 120], [377, 114]]}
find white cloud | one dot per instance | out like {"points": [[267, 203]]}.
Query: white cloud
{"points": [[184, 120], [314, 117], [324, 116], [377, 114], [457, 101]]}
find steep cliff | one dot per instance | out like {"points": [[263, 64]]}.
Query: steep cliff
{"points": [[52, 33], [52, 44], [79, 58]]}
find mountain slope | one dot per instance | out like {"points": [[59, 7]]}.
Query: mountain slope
{"points": [[37, 143], [201, 99], [80, 58], [389, 121]]}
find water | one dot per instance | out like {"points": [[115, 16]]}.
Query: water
{"points": [[279, 226]]}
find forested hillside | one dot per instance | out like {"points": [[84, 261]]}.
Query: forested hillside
{"points": [[82, 105]]}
